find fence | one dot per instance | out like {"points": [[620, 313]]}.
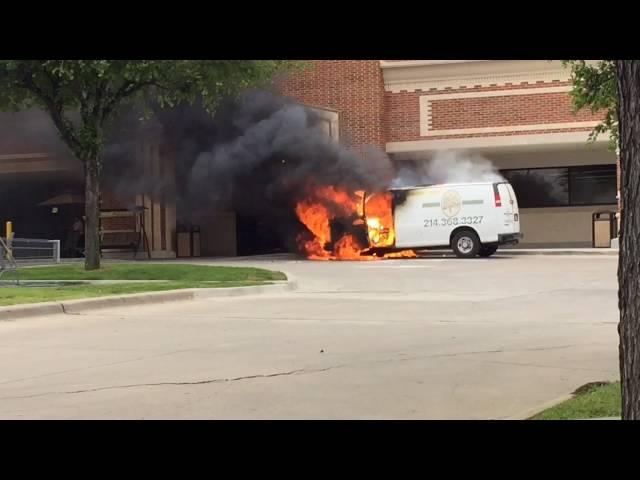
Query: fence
{"points": [[33, 250]]}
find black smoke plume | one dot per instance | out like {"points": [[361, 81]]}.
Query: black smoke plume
{"points": [[258, 156]]}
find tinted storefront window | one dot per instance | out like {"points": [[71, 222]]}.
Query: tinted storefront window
{"points": [[564, 186], [593, 185], [540, 187]]}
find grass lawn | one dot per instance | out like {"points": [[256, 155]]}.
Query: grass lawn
{"points": [[175, 276], [593, 401], [147, 271]]}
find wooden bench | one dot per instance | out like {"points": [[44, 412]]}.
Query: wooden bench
{"points": [[120, 240], [128, 235]]}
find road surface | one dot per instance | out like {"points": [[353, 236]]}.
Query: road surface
{"points": [[430, 338]]}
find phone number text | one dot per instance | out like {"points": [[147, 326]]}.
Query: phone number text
{"points": [[445, 222]]}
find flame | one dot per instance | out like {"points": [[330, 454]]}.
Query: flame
{"points": [[345, 203], [328, 203], [402, 254], [316, 218], [347, 248], [379, 214]]}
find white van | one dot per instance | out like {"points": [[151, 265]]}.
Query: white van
{"points": [[471, 218]]}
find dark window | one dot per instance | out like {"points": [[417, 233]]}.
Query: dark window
{"points": [[564, 186], [593, 185], [540, 187]]}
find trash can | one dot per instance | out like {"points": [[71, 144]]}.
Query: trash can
{"points": [[183, 242], [195, 241], [604, 229]]}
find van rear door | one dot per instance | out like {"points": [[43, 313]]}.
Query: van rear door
{"points": [[507, 205], [514, 203]]}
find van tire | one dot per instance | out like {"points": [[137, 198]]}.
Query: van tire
{"points": [[465, 244], [487, 250]]}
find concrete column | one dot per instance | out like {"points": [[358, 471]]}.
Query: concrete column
{"points": [[159, 214]]}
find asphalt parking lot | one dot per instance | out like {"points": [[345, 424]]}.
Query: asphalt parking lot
{"points": [[428, 338]]}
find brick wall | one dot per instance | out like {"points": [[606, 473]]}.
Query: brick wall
{"points": [[402, 111], [369, 115], [354, 88], [402, 116], [505, 111]]}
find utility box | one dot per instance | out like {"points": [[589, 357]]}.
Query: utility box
{"points": [[183, 241], [604, 229], [195, 241]]}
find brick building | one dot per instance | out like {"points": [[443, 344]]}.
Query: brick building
{"points": [[516, 113]]}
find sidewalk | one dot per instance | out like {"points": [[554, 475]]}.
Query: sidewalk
{"points": [[426, 253], [559, 251]]}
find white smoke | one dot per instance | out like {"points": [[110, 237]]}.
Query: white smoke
{"points": [[448, 167]]}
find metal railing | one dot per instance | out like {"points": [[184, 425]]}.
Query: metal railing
{"points": [[7, 262], [33, 250]]}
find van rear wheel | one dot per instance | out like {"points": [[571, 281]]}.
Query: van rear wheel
{"points": [[488, 250], [465, 244]]}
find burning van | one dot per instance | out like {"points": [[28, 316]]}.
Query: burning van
{"points": [[470, 218]]}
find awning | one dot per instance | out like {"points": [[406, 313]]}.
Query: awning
{"points": [[64, 199]]}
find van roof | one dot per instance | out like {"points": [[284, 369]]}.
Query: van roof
{"points": [[416, 187]]}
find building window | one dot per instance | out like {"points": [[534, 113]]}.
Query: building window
{"points": [[593, 185], [540, 187], [564, 186]]}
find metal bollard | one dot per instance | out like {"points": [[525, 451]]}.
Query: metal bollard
{"points": [[9, 237]]}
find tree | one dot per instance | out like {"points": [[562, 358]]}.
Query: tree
{"points": [[614, 86], [594, 87], [628, 82], [83, 96]]}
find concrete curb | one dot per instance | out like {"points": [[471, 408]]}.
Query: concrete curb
{"points": [[603, 418], [532, 412], [15, 312]]}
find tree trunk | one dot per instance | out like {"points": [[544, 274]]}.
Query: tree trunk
{"points": [[92, 213], [628, 76]]}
